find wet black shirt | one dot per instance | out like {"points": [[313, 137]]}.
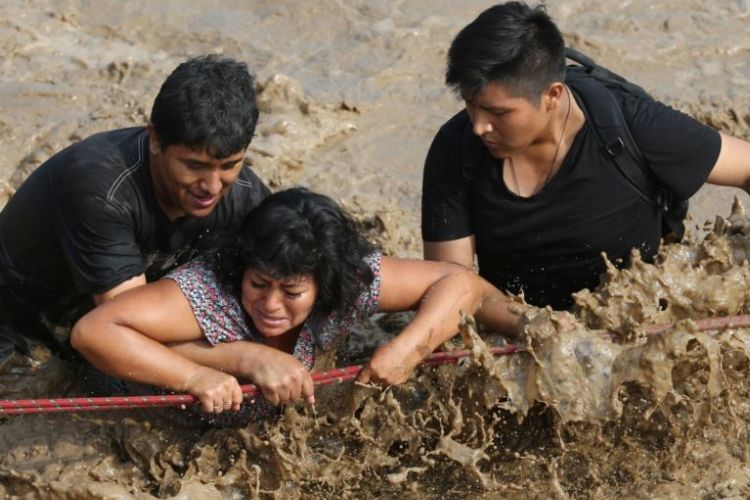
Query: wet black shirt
{"points": [[549, 245], [87, 220]]}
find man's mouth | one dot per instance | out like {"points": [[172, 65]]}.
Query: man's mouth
{"points": [[204, 201]]}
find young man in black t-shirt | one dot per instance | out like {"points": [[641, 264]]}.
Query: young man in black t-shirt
{"points": [[121, 208], [519, 178]]}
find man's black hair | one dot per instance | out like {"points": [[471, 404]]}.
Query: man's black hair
{"points": [[512, 44], [207, 102], [300, 233]]}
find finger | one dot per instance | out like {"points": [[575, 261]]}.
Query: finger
{"points": [[364, 375], [285, 396], [271, 396], [237, 397], [207, 404], [218, 406], [295, 385], [308, 390]]}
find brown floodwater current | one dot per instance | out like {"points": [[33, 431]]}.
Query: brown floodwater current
{"points": [[594, 407], [351, 94]]}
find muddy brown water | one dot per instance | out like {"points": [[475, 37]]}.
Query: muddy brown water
{"points": [[351, 94]]}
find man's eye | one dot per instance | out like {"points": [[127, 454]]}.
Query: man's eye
{"points": [[231, 166], [294, 295], [256, 284]]}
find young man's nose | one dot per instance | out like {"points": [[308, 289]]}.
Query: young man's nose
{"points": [[481, 125], [211, 182]]}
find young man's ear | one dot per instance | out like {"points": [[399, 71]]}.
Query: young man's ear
{"points": [[553, 94], [154, 144]]}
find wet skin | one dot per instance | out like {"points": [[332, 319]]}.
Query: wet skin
{"points": [[190, 181]]}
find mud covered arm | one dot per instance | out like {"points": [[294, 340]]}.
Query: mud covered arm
{"points": [[439, 292], [497, 312], [733, 165], [125, 337]]}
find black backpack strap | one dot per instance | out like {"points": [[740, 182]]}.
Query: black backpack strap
{"points": [[610, 127], [591, 81]]}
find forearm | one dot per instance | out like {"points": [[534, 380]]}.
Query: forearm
{"points": [[439, 314], [234, 358], [497, 311], [125, 353], [279, 375]]}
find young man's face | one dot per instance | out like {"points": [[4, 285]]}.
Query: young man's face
{"points": [[190, 181], [507, 124]]}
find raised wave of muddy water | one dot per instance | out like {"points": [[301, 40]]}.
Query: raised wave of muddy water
{"points": [[594, 407], [351, 94]]}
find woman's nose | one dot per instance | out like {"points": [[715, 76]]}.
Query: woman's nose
{"points": [[272, 301]]}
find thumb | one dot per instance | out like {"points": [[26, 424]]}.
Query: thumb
{"points": [[364, 375]]}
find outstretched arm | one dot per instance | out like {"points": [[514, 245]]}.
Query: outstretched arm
{"points": [[439, 292], [733, 165]]}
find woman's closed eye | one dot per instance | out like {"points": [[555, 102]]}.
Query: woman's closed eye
{"points": [[258, 285], [291, 293]]}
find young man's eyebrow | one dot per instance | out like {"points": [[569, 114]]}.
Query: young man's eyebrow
{"points": [[494, 109]]}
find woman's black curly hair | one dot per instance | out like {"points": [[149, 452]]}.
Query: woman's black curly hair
{"points": [[298, 232]]}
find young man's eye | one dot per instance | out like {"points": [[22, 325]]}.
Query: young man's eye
{"points": [[231, 166], [293, 295], [257, 284]]}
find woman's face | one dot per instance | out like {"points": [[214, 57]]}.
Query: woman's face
{"points": [[277, 306]]}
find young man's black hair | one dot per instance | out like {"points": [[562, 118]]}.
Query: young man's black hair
{"points": [[207, 102], [512, 44]]}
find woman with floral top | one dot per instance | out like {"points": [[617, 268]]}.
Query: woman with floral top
{"points": [[295, 276]]}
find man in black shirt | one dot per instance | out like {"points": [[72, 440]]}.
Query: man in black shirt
{"points": [[520, 179], [121, 208]]}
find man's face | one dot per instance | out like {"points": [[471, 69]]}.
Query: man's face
{"points": [[507, 124], [190, 181]]}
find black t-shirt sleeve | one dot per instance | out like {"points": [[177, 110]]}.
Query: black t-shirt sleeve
{"points": [[446, 212], [681, 151], [98, 240]]}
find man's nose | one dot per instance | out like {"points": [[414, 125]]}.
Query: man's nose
{"points": [[480, 124], [211, 182]]}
